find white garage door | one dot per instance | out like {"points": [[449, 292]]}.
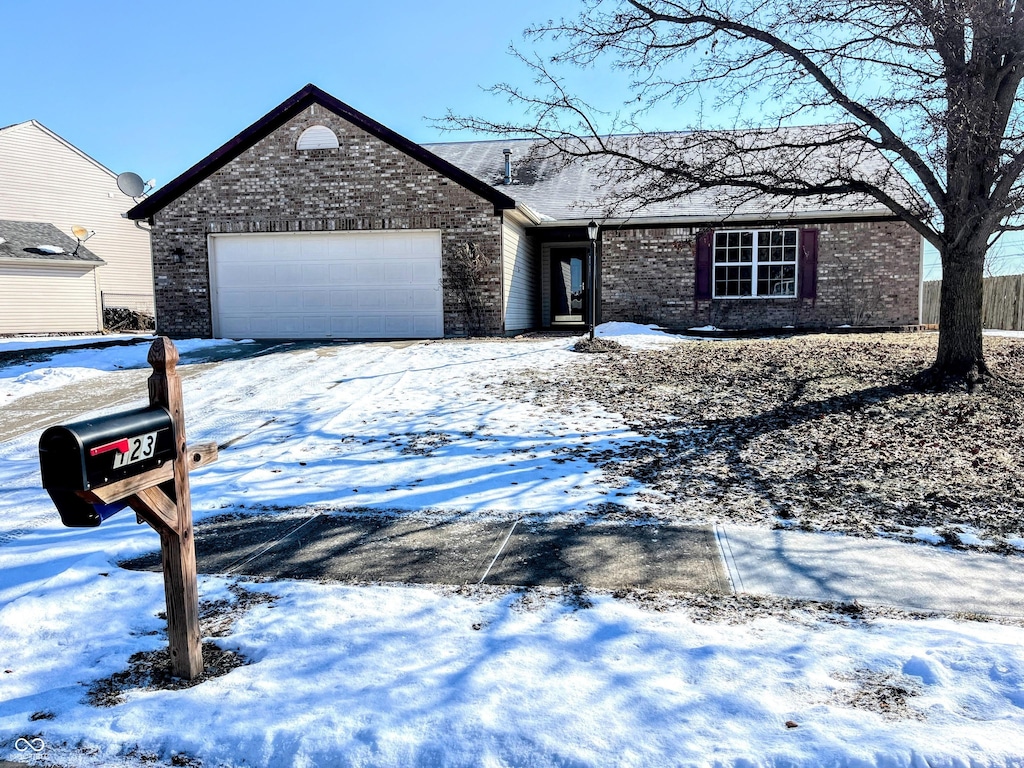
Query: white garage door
{"points": [[338, 285]]}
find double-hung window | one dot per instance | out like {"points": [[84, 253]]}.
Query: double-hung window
{"points": [[755, 263]]}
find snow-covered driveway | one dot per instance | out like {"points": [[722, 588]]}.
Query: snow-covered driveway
{"points": [[428, 426]]}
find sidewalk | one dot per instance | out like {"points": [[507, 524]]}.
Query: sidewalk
{"points": [[820, 566], [674, 558], [373, 548]]}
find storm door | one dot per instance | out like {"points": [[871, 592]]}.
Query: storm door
{"points": [[568, 285]]}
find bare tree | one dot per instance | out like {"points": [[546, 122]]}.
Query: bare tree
{"points": [[922, 90]]}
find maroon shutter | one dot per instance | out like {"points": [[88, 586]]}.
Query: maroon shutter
{"points": [[702, 278], [809, 264]]}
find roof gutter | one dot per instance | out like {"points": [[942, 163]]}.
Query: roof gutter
{"points": [[689, 221], [52, 262], [531, 215]]}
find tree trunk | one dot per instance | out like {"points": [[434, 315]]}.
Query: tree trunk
{"points": [[960, 353]]}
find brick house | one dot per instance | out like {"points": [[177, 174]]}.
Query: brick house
{"points": [[319, 222]]}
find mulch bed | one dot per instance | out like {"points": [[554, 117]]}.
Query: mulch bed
{"points": [[819, 432]]}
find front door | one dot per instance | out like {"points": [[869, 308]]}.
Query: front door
{"points": [[568, 285]]}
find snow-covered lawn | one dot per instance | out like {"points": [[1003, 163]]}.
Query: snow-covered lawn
{"points": [[396, 675]]}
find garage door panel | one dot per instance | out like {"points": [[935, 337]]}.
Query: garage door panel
{"points": [[344, 299], [425, 327], [343, 326], [425, 272], [234, 301], [290, 325], [242, 275], [235, 328], [342, 273], [424, 299], [314, 248], [255, 252], [394, 326], [287, 248], [373, 300], [316, 325], [316, 274], [323, 285], [398, 272], [370, 274], [288, 301], [400, 248], [397, 299], [316, 300], [368, 248], [288, 274], [259, 274], [370, 326], [341, 248], [261, 326], [404, 301]]}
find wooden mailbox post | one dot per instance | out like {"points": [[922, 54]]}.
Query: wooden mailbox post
{"points": [[161, 498]]}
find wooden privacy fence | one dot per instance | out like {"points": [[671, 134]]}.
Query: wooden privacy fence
{"points": [[1002, 304]]}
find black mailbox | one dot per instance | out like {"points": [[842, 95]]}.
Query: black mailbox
{"points": [[100, 451]]}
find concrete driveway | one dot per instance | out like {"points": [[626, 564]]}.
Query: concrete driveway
{"points": [[115, 388]]}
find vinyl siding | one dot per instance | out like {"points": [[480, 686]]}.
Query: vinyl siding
{"points": [[45, 299], [42, 178], [520, 286]]}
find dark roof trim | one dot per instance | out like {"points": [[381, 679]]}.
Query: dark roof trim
{"points": [[559, 229], [285, 112]]}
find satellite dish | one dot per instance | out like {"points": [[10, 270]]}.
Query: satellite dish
{"points": [[131, 184], [80, 232]]}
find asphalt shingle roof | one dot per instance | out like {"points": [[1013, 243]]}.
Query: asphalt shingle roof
{"points": [[591, 188], [22, 240], [583, 188]]}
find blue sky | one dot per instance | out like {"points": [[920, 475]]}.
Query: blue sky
{"points": [[154, 87]]}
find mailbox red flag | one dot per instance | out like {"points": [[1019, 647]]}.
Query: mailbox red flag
{"points": [[121, 446]]}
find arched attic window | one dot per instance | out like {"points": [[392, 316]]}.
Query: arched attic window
{"points": [[317, 137]]}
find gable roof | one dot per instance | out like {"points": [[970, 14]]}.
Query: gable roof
{"points": [[285, 112], [32, 241]]}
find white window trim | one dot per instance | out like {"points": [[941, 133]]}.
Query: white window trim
{"points": [[753, 265]]}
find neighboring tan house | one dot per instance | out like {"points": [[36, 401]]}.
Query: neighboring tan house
{"points": [[46, 180], [319, 222], [48, 282]]}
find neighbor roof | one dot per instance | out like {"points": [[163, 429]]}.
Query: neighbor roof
{"points": [[32, 241], [285, 112]]}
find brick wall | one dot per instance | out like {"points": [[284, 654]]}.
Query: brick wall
{"points": [[366, 184], [868, 274]]}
